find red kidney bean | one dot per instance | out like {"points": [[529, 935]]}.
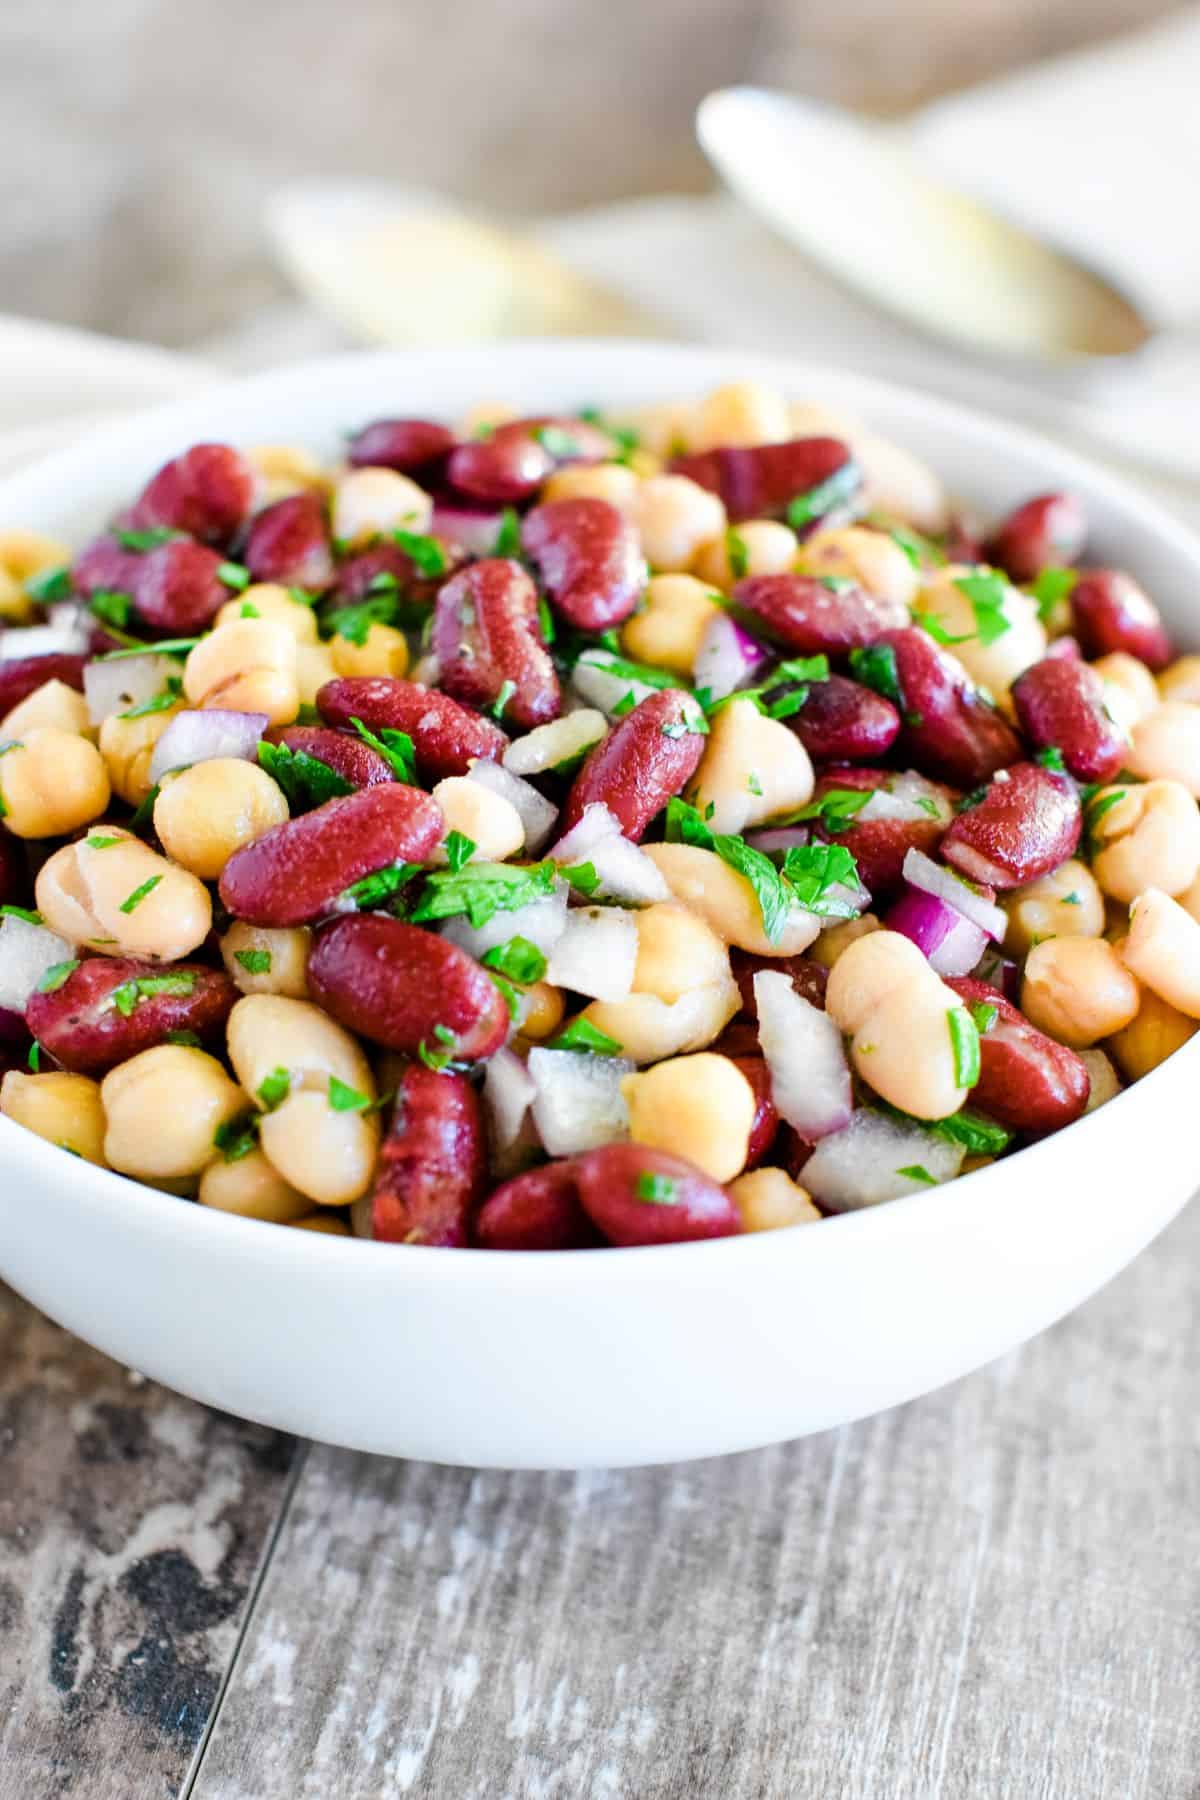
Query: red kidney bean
{"points": [[344, 752], [612, 1184], [589, 559], [406, 988], [879, 846], [403, 444], [1060, 702], [289, 543], [1110, 612], [760, 480], [807, 977], [100, 1017], [963, 542], [647, 759], [805, 616], [1064, 649], [25, 674], [176, 587], [104, 566], [294, 872], [539, 1210], [765, 1125], [1027, 823], [432, 1163], [1027, 1081], [512, 463], [843, 721], [447, 737], [948, 728], [207, 492], [386, 569], [1045, 532], [487, 639]]}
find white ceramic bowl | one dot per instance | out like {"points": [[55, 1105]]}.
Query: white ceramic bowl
{"points": [[630, 1356]]}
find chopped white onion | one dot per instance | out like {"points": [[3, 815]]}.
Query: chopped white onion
{"points": [[860, 1165], [194, 737], [810, 1079], [602, 685], [595, 824], [596, 953], [42, 640], [542, 922], [579, 1104], [538, 815], [26, 952], [623, 870], [509, 1091], [116, 685], [728, 657], [920, 871], [561, 741]]}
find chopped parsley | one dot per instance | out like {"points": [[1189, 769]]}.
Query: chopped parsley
{"points": [[426, 554], [964, 1042], [255, 962], [1072, 899], [623, 670], [508, 537], [395, 747], [836, 809], [185, 1039], [459, 849], [21, 912], [125, 998], [812, 870], [55, 976], [918, 1172], [510, 995], [438, 1060], [658, 1190], [1096, 805], [738, 554], [353, 623], [558, 443], [582, 877], [34, 1059], [234, 575], [343, 1098], [932, 624], [545, 619], [481, 890], [377, 889], [507, 690], [1052, 758], [134, 900], [517, 959], [822, 499], [808, 873], [141, 541], [164, 647], [112, 605], [977, 1135], [49, 585], [237, 1137], [162, 702], [987, 593], [96, 842], [274, 1090], [984, 1015], [580, 1034], [875, 667], [305, 779], [1050, 589]]}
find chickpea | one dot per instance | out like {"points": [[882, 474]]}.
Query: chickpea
{"points": [[1155, 1033], [369, 502], [112, 892], [1105, 1083], [666, 429], [753, 769], [1078, 990], [52, 782], [1181, 681], [993, 665], [384, 651], [675, 518], [742, 413], [206, 812], [769, 1198], [1065, 903], [127, 746], [676, 952], [701, 1107], [484, 417], [63, 1109], [286, 469], [269, 601], [263, 959], [1163, 950], [492, 823], [759, 547], [561, 741], [314, 667], [669, 626], [835, 940], [726, 901], [54, 704], [1166, 746], [326, 1224], [1130, 689], [248, 665], [162, 1109], [648, 1029], [594, 481], [254, 1189], [540, 1011], [1146, 836], [873, 559], [24, 554], [326, 1154], [883, 994]]}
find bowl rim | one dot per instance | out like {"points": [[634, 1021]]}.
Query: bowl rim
{"points": [[260, 1240]]}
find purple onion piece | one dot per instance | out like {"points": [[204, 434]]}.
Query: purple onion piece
{"points": [[953, 944]]}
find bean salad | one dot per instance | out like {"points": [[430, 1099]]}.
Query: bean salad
{"points": [[583, 830]]}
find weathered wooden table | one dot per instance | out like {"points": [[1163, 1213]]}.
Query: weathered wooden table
{"points": [[990, 1594]]}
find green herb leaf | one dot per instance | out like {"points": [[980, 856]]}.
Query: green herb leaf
{"points": [[977, 1135], [34, 1059], [545, 620], [234, 575], [162, 702], [738, 554], [96, 842], [164, 647], [987, 594], [125, 998], [426, 554], [459, 849], [237, 1137], [507, 690], [145, 812], [112, 606], [658, 1190], [255, 962], [624, 670], [1050, 589], [395, 747], [249, 612], [984, 1015], [1072, 899], [274, 1090], [510, 995], [21, 912], [437, 1060], [964, 1041], [343, 1098], [185, 1039], [481, 890], [49, 585], [813, 870], [580, 1034], [1052, 758], [56, 975], [518, 959], [836, 809], [141, 541], [377, 889], [918, 1172], [932, 624], [1097, 804], [582, 877], [822, 499], [305, 779], [508, 537], [875, 667], [134, 900]]}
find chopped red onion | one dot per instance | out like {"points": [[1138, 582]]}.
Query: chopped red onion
{"points": [[1000, 972], [810, 1079], [728, 657], [474, 528], [862, 1164], [920, 871], [779, 837], [194, 737], [953, 944]]}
